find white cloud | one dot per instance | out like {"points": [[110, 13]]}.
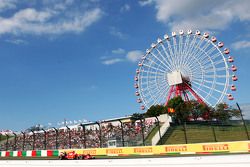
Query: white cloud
{"points": [[134, 55], [125, 8], [112, 61], [212, 14], [118, 51], [145, 2], [51, 18], [31, 21], [117, 33], [7, 4], [16, 41], [241, 45]]}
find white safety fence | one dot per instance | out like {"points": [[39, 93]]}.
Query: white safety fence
{"points": [[242, 160]]}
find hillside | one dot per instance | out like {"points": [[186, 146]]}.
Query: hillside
{"points": [[205, 133]]}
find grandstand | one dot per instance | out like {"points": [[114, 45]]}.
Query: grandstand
{"points": [[117, 132]]}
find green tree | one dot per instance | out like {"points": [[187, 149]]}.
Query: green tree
{"points": [[182, 109], [34, 128], [156, 110], [223, 113], [199, 110], [136, 116]]}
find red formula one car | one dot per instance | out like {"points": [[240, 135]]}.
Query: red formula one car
{"points": [[74, 155]]}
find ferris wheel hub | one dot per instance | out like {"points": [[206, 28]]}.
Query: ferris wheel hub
{"points": [[174, 78]]}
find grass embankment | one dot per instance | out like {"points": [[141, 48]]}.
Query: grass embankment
{"points": [[205, 133], [148, 139]]}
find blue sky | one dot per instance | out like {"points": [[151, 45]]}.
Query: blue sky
{"points": [[75, 60]]}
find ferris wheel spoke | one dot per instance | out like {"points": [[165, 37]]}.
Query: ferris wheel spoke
{"points": [[184, 50], [183, 46], [165, 60], [202, 55], [215, 56], [205, 92], [152, 72], [154, 86], [211, 82], [151, 81], [197, 68], [196, 72], [157, 69], [217, 69], [149, 77], [197, 92], [210, 88], [215, 63], [182, 58], [160, 61], [152, 65], [162, 94], [172, 55], [198, 55], [196, 47], [192, 44], [153, 97], [168, 55], [180, 46], [201, 50], [175, 51], [217, 76], [155, 63]]}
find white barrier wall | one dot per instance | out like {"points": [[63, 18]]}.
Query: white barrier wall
{"points": [[196, 161]]}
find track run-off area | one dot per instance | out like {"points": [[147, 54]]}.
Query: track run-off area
{"points": [[233, 160]]}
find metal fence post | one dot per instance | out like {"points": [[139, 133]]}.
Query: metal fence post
{"points": [[122, 132], [84, 134], [56, 130], [244, 123], [45, 139], [100, 133], [69, 136], [159, 129], [185, 132], [23, 140]]}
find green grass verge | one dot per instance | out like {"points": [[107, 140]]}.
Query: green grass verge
{"points": [[205, 133], [151, 135]]}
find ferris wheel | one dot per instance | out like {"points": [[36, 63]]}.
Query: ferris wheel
{"points": [[191, 65]]}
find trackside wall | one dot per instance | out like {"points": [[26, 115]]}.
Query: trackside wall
{"points": [[201, 148]]}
